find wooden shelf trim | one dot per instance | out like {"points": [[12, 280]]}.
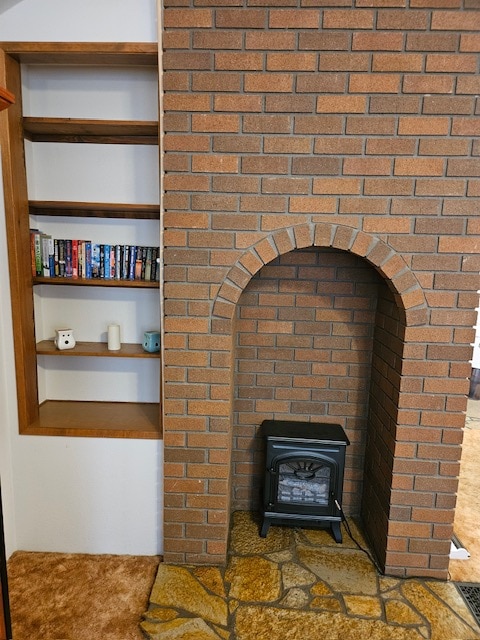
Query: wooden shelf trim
{"points": [[97, 419], [94, 209], [95, 349], [78, 130], [84, 53], [97, 282]]}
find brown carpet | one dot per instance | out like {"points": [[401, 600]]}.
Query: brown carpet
{"points": [[58, 596], [467, 513]]}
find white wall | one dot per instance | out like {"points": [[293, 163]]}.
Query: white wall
{"points": [[85, 21], [86, 495]]}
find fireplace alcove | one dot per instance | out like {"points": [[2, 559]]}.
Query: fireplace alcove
{"points": [[377, 363], [315, 331]]}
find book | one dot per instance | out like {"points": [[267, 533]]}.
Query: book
{"points": [[95, 260]]}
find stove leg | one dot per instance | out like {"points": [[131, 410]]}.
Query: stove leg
{"points": [[265, 528], [336, 531]]}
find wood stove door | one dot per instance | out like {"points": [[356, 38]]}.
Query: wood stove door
{"points": [[303, 484]]}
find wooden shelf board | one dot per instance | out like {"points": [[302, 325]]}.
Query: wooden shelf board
{"points": [[97, 420], [98, 282], [95, 349], [90, 131], [94, 209], [84, 53]]}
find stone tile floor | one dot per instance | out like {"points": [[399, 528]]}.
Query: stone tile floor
{"points": [[298, 584]]}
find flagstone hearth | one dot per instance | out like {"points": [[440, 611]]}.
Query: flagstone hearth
{"points": [[298, 584]]}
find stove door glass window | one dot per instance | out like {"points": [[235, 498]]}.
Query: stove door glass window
{"points": [[305, 481]]}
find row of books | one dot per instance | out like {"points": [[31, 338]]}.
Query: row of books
{"points": [[59, 258]]}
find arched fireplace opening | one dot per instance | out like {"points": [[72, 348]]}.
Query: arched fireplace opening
{"points": [[318, 336]]}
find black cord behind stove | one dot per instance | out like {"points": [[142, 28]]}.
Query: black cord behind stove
{"points": [[354, 540]]}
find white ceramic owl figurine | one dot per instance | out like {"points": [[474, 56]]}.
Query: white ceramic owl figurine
{"points": [[64, 339]]}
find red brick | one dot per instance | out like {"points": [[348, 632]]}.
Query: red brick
{"points": [[394, 104], [445, 187], [468, 84], [449, 244], [456, 20], [214, 163], [347, 19], [367, 166], [321, 83], [289, 103], [432, 42], [290, 144], [228, 61], [182, 18], [217, 40], [386, 225], [341, 104], [418, 167], [367, 83], [377, 41], [207, 81], [318, 124], [267, 124], [336, 186], [294, 18], [428, 84], [404, 20], [173, 81], [330, 145], [240, 18], [463, 167], [451, 62], [397, 62], [237, 103], [316, 165], [423, 125], [470, 42], [264, 40], [176, 39], [340, 61], [453, 105], [443, 147], [387, 146], [323, 41], [215, 123], [388, 186], [185, 60], [291, 62], [465, 126], [262, 82], [371, 125], [265, 164]]}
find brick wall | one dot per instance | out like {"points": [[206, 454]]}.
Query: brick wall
{"points": [[304, 336], [320, 137]]}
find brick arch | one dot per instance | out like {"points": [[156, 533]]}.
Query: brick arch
{"points": [[389, 264]]}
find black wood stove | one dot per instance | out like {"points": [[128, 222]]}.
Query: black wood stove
{"points": [[305, 464]]}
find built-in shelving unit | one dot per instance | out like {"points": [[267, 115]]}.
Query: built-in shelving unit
{"points": [[38, 413]]}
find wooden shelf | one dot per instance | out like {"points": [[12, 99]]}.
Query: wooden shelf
{"points": [[98, 282], [90, 131], [84, 53], [94, 349], [96, 419], [94, 210], [6, 98]]}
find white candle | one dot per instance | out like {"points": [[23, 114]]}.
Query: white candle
{"points": [[113, 337]]}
